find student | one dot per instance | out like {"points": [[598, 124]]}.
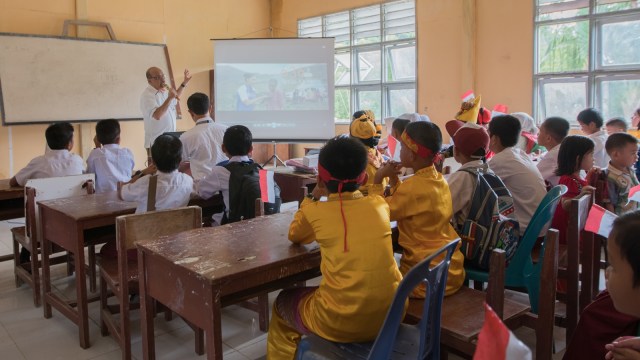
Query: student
{"points": [[364, 130], [622, 148], [201, 145], [591, 123], [514, 167], [528, 140], [398, 126], [616, 125], [110, 162], [359, 272], [422, 203], [607, 325], [471, 143], [552, 131], [58, 161]]}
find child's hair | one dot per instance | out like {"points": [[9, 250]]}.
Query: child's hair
{"points": [[619, 123], [572, 150], [591, 115], [557, 127], [619, 140], [108, 131], [344, 158], [426, 134], [237, 140], [166, 153], [399, 125], [625, 234], [198, 103], [59, 135], [506, 128]]}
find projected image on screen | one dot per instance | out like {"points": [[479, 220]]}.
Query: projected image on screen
{"points": [[271, 87]]}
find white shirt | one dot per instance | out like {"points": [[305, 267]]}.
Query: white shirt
{"points": [[600, 156], [461, 185], [150, 100], [523, 180], [52, 164], [111, 164], [173, 191], [201, 145], [218, 181], [548, 164]]}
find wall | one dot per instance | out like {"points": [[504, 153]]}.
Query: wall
{"points": [[186, 27]]}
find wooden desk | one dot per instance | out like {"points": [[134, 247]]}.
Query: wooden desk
{"points": [[197, 272], [291, 181], [11, 205]]}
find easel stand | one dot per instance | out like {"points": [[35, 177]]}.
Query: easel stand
{"points": [[274, 157]]}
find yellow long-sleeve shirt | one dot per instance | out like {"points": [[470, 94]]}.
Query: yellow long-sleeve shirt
{"points": [[422, 207], [358, 285], [374, 162]]}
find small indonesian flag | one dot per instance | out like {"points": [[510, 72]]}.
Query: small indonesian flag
{"points": [[394, 148], [634, 194], [499, 109], [600, 221], [496, 342], [468, 96], [267, 186]]}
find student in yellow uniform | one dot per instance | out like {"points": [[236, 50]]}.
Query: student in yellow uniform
{"points": [[359, 273], [364, 129], [422, 203]]}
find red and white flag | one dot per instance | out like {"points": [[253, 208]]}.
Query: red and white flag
{"points": [[468, 96], [496, 342], [600, 221], [634, 193], [267, 186], [499, 109], [394, 148]]}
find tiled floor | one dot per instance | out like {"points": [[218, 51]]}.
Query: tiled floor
{"points": [[26, 334]]}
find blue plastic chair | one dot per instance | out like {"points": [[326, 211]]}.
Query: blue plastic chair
{"points": [[396, 340], [522, 272]]}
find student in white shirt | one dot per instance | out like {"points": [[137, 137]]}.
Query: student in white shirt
{"points": [[202, 144], [552, 131], [470, 145], [514, 167], [58, 161], [110, 162], [591, 123]]}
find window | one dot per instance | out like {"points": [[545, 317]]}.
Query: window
{"points": [[375, 57], [587, 56]]}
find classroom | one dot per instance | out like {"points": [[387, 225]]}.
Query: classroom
{"points": [[459, 64]]}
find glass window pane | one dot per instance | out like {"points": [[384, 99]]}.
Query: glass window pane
{"points": [[370, 100], [369, 66], [401, 63], [343, 104], [620, 43], [366, 25], [563, 47], [619, 97], [399, 20], [337, 25], [564, 99], [310, 27], [402, 101], [342, 68], [561, 9], [616, 5]]}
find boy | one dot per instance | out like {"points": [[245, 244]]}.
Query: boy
{"points": [[622, 148], [201, 145], [398, 126], [421, 204], [108, 160], [552, 131], [364, 130], [471, 143], [514, 167], [59, 161], [174, 188], [591, 123], [616, 125], [359, 272]]}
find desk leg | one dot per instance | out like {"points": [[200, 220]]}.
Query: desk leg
{"points": [[45, 246], [81, 290], [146, 311], [214, 327]]}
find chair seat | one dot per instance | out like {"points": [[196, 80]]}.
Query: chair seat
{"points": [[109, 271]]}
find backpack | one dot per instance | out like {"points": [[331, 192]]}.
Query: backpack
{"points": [[244, 189], [490, 223]]}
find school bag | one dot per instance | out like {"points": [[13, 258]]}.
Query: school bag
{"points": [[491, 223], [244, 189]]}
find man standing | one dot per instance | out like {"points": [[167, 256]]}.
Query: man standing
{"points": [[158, 105], [246, 95]]}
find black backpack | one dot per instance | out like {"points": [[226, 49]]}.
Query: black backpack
{"points": [[244, 189]]}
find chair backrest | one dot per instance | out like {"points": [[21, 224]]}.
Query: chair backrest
{"points": [[49, 189], [435, 278]]}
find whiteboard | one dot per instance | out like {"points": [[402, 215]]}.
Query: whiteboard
{"points": [[48, 79]]}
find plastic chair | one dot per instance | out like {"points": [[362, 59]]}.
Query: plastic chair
{"points": [[522, 272], [396, 340]]}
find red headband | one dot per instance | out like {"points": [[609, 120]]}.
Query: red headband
{"points": [[420, 149]]}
